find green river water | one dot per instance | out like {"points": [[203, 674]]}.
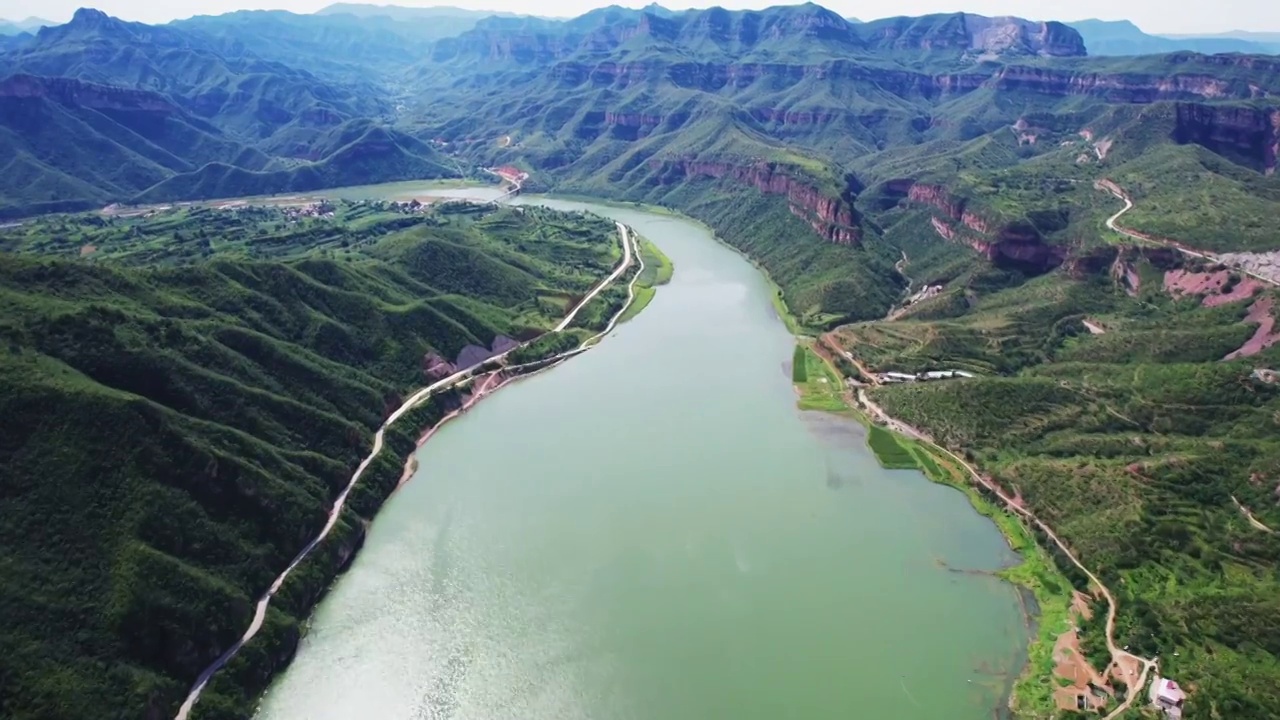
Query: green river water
{"points": [[653, 531]]}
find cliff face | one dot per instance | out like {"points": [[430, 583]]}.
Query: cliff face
{"points": [[1120, 263], [1177, 84], [1241, 133], [68, 91], [1119, 87], [834, 219], [1001, 243], [774, 31], [975, 34]]}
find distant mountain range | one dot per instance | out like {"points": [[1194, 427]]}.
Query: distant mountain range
{"points": [[267, 101], [1121, 37], [17, 27]]}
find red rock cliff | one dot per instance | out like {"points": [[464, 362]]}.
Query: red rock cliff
{"points": [[999, 242], [832, 218]]}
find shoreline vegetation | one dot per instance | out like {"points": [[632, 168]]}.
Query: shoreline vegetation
{"points": [[820, 385], [776, 295], [423, 409]]}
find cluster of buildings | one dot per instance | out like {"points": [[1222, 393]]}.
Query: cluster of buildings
{"points": [[322, 209], [897, 377]]}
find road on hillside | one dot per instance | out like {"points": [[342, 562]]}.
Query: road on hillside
{"points": [[260, 611], [1119, 192], [1116, 652]]}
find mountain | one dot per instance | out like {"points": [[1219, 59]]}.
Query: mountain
{"points": [[820, 121], [128, 140], [1121, 37], [402, 13], [183, 403], [180, 107], [344, 47], [958, 173], [1265, 37], [245, 94]]}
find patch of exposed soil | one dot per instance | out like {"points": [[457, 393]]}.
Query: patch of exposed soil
{"points": [[1070, 664], [1262, 313], [1216, 287], [87, 250], [1265, 264], [1125, 670]]}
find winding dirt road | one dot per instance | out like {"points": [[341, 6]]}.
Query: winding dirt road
{"points": [[1255, 522], [260, 611], [1134, 690], [1119, 192], [515, 186]]}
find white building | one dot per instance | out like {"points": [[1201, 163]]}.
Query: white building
{"points": [[897, 377], [1168, 697]]}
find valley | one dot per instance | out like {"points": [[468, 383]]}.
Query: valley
{"points": [[272, 229]]}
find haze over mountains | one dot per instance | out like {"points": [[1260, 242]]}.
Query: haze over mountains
{"points": [[223, 105]]}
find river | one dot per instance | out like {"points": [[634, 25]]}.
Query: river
{"points": [[654, 531]]}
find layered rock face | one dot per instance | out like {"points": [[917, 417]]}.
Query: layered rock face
{"points": [[68, 91], [834, 219], [1017, 243], [1242, 133], [1054, 82], [976, 34], [742, 32]]}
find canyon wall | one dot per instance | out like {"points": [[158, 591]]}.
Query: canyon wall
{"points": [[68, 91], [1002, 243], [1240, 133], [834, 219]]}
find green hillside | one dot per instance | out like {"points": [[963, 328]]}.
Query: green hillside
{"points": [[1131, 444], [246, 355], [182, 403]]}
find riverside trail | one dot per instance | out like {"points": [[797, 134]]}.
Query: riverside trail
{"points": [[260, 611], [737, 566], [1011, 504]]}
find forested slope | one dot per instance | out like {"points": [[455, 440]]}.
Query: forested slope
{"points": [[174, 427]]}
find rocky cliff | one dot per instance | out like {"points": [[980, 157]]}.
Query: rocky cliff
{"points": [[1016, 243], [1123, 87], [1245, 134], [67, 91], [975, 35], [794, 30], [1179, 83], [834, 219]]}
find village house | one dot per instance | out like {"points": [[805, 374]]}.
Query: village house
{"points": [[897, 377], [893, 377], [1168, 697]]}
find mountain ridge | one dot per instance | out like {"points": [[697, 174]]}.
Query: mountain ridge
{"points": [[955, 171]]}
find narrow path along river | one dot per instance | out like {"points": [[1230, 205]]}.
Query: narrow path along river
{"points": [[653, 531]]}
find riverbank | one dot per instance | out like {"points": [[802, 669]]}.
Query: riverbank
{"points": [[416, 409], [794, 326], [821, 387]]}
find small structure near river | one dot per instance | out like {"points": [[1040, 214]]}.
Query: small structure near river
{"points": [[897, 377]]}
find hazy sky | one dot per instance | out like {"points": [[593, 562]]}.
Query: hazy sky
{"points": [[1183, 16]]}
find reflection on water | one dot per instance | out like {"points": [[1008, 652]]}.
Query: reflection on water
{"points": [[654, 531]]}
